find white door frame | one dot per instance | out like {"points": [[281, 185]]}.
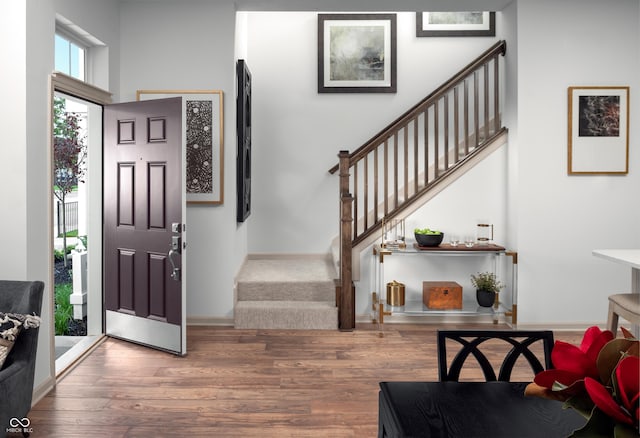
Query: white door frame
{"points": [[62, 83]]}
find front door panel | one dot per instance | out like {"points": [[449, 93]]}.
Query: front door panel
{"points": [[143, 212]]}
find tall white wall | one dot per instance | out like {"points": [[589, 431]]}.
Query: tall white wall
{"points": [[562, 218], [13, 150], [509, 31], [297, 132], [39, 63], [177, 46], [23, 154]]}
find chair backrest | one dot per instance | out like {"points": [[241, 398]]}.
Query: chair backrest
{"points": [[471, 340], [21, 296]]}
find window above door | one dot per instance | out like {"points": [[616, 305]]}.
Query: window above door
{"points": [[70, 57], [75, 52]]}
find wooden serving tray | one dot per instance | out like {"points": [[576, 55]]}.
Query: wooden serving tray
{"points": [[460, 247]]}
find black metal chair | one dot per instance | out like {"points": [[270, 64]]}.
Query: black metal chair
{"points": [[471, 340], [17, 373]]}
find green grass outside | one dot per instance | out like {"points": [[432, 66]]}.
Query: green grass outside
{"points": [[72, 233], [63, 307]]}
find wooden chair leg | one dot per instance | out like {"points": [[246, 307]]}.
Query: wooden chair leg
{"points": [[612, 320]]}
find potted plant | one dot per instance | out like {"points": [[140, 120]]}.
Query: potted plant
{"points": [[487, 286]]}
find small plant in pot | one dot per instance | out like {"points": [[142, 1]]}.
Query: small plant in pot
{"points": [[487, 286]]}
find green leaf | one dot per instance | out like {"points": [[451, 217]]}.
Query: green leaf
{"points": [[600, 425], [583, 405], [610, 355], [624, 431]]}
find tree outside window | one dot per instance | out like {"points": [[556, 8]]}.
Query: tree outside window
{"points": [[69, 156]]}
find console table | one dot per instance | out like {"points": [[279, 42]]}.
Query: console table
{"points": [[381, 308], [470, 409]]}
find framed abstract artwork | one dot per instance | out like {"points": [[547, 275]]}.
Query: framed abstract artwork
{"points": [[357, 53], [598, 134], [243, 132], [454, 24], [202, 115]]}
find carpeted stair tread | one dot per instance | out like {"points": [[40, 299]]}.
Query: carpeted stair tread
{"points": [[303, 279], [287, 269]]}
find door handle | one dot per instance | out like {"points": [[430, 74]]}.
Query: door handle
{"points": [[175, 250], [175, 271]]}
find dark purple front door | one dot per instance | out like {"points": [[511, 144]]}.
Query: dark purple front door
{"points": [[143, 221]]}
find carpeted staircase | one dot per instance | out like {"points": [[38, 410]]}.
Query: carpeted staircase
{"points": [[286, 292]]}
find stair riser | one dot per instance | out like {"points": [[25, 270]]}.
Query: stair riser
{"points": [[286, 319], [286, 291]]}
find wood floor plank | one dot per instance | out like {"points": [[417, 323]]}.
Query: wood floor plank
{"points": [[243, 383]]}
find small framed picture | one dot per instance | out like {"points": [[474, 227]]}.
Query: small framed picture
{"points": [[455, 24], [356, 53], [598, 130]]}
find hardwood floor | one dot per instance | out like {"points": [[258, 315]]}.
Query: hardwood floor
{"points": [[242, 383]]}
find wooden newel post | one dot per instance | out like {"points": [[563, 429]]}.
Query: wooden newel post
{"points": [[346, 298]]}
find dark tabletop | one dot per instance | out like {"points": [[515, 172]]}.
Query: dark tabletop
{"points": [[471, 410]]}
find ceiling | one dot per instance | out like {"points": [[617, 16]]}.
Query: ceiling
{"points": [[371, 5], [361, 5]]}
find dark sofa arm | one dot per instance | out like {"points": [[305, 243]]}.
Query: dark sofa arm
{"points": [[16, 381], [17, 373]]}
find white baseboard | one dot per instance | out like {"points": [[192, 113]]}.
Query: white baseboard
{"points": [[42, 390], [562, 326], [287, 256], [209, 321]]}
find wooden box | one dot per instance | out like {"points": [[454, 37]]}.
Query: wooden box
{"points": [[442, 294]]}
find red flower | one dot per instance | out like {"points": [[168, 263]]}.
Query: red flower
{"points": [[628, 379], [626, 408], [600, 379], [572, 364]]}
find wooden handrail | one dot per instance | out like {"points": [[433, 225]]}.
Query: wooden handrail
{"points": [[498, 48]]}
